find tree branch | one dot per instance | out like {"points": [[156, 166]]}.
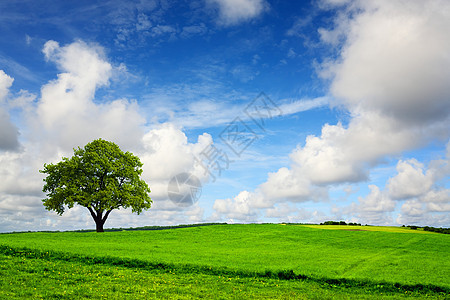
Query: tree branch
{"points": [[106, 216], [102, 183], [92, 212], [121, 182]]}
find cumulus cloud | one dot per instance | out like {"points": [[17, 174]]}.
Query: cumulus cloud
{"points": [[424, 199], [284, 212], [344, 154], [67, 115], [395, 60], [240, 208], [5, 83], [286, 184], [8, 131], [415, 212], [392, 77], [67, 111], [167, 153], [232, 12], [410, 180], [390, 73], [375, 208]]}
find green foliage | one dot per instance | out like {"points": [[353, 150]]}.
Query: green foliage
{"points": [[340, 223], [438, 230], [100, 177]]}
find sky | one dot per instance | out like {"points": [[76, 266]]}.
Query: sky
{"points": [[258, 110]]}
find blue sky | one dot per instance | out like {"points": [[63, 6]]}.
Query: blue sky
{"points": [[353, 100]]}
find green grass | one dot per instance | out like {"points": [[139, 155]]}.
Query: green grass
{"points": [[355, 262], [24, 278]]}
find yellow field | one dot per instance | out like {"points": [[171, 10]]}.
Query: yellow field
{"points": [[370, 228]]}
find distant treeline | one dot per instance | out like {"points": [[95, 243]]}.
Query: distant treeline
{"points": [[429, 228], [339, 223], [425, 228], [127, 229], [157, 227]]}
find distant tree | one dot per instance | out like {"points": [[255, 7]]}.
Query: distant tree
{"points": [[100, 177]]}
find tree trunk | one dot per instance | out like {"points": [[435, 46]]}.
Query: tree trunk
{"points": [[99, 221], [99, 218], [99, 225]]}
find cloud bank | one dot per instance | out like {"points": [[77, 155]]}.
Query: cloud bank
{"points": [[67, 115], [8, 132], [391, 74]]}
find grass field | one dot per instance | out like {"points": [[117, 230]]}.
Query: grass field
{"points": [[229, 261]]}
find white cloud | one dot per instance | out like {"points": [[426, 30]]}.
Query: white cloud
{"points": [[167, 153], [240, 208], [212, 105], [415, 181], [439, 207], [413, 208], [342, 154], [159, 30], [286, 184], [210, 108], [232, 12], [376, 201], [395, 60], [22, 100], [413, 212], [416, 212], [281, 186], [437, 196], [143, 23], [8, 131], [162, 213], [67, 115], [391, 75], [5, 83], [410, 181], [67, 110], [19, 173], [282, 210], [375, 208], [426, 201], [296, 106]]}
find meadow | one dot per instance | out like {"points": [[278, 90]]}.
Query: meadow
{"points": [[271, 261]]}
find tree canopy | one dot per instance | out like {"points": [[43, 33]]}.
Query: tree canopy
{"points": [[100, 177]]}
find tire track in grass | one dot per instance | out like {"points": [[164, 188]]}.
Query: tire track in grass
{"points": [[366, 263]]}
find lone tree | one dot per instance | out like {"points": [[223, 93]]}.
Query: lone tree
{"points": [[100, 177]]}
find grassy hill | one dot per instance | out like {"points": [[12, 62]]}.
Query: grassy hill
{"points": [[233, 261]]}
